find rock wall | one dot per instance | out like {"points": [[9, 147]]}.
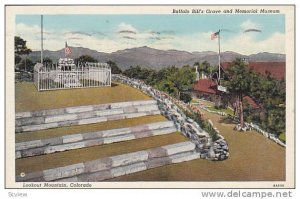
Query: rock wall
{"points": [[208, 149]]}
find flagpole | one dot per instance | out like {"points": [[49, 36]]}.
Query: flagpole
{"points": [[41, 39], [65, 49], [219, 38]]}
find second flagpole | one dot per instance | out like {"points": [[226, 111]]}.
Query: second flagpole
{"points": [[219, 38]]}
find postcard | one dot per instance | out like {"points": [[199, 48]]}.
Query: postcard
{"points": [[150, 96]]}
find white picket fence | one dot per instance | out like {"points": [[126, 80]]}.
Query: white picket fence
{"points": [[53, 78]]}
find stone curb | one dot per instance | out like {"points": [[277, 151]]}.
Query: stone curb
{"points": [[109, 167], [68, 120], [59, 117], [79, 109], [76, 141]]}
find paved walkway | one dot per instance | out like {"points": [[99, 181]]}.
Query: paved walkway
{"points": [[252, 158]]}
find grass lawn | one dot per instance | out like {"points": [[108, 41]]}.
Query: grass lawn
{"points": [[29, 99], [55, 132], [54, 160], [252, 158], [194, 101], [205, 103], [227, 110]]}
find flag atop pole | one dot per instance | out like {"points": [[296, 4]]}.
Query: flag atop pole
{"points": [[214, 35], [67, 50]]}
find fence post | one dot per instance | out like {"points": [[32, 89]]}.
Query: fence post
{"points": [[38, 80], [110, 77]]}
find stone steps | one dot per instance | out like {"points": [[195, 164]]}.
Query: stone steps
{"points": [[64, 158], [76, 141], [114, 166], [45, 119], [94, 155], [77, 129]]}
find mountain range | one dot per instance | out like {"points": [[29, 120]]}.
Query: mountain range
{"points": [[157, 59]]}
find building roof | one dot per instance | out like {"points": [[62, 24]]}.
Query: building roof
{"points": [[210, 87], [251, 102], [276, 69], [206, 86]]}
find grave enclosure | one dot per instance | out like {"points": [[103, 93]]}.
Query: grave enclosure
{"points": [[65, 74]]}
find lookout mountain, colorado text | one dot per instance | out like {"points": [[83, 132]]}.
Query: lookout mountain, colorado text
{"points": [[57, 185], [226, 11]]}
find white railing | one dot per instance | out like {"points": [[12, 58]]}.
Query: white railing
{"points": [[80, 77]]}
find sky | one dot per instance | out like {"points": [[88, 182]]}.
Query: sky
{"points": [[188, 32]]}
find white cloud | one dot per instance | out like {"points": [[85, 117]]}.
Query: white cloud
{"points": [[248, 44], [126, 27], [241, 43], [129, 32], [250, 25]]}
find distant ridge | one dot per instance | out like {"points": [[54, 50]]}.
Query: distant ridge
{"points": [[157, 59]]}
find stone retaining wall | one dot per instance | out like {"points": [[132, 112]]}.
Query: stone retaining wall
{"points": [[114, 166], [76, 141], [44, 119], [189, 128]]}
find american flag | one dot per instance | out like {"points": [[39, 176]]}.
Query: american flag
{"points": [[67, 50], [214, 35]]}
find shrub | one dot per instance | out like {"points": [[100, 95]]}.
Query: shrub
{"points": [[282, 137], [203, 124], [186, 97]]}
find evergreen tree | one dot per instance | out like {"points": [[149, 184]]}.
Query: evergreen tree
{"points": [[85, 58], [20, 49], [114, 67], [239, 84]]}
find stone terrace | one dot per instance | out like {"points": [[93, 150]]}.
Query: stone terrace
{"points": [[92, 134]]}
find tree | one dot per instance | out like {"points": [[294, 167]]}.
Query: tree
{"points": [[85, 58], [239, 84], [20, 49], [205, 68], [17, 59], [114, 67], [47, 61], [275, 120], [186, 97], [133, 72], [151, 77], [20, 46], [176, 80], [26, 64], [271, 95]]}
